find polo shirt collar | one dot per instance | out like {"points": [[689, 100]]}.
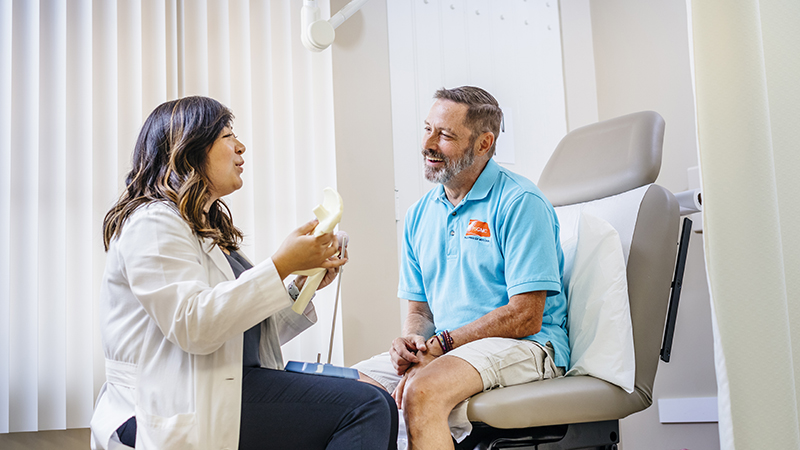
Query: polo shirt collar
{"points": [[481, 187], [484, 182]]}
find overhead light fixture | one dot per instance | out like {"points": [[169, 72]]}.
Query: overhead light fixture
{"points": [[318, 34]]}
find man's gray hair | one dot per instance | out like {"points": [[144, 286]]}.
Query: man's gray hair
{"points": [[483, 113]]}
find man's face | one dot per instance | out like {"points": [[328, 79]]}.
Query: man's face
{"points": [[447, 144]]}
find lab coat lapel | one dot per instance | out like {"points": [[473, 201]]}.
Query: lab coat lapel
{"points": [[216, 255]]}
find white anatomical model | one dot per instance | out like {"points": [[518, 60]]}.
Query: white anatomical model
{"points": [[329, 213]]}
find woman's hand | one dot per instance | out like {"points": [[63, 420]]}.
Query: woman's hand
{"points": [[331, 273], [302, 250]]}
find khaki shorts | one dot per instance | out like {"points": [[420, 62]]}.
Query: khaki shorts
{"points": [[500, 362]]}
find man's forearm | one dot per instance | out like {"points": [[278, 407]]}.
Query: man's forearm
{"points": [[521, 317], [418, 324]]}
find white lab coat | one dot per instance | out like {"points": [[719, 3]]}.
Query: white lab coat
{"points": [[172, 319]]}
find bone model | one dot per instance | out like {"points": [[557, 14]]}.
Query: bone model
{"points": [[329, 213]]}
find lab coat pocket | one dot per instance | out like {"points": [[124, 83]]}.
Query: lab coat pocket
{"points": [[158, 432]]}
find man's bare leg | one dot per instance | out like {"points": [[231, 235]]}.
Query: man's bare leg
{"points": [[430, 396], [366, 379]]}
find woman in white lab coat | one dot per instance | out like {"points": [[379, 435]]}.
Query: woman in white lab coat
{"points": [[192, 331]]}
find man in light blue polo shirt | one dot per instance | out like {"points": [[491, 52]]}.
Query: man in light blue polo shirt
{"points": [[482, 270]]}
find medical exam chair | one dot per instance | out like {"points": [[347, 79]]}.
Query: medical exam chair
{"points": [[607, 170]]}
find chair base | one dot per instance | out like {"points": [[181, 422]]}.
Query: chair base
{"points": [[584, 436]]}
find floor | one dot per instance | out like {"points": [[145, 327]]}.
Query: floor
{"points": [[77, 439]]}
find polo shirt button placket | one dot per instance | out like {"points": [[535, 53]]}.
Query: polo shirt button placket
{"points": [[451, 246]]}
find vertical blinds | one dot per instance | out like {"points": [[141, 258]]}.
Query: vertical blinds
{"points": [[77, 79]]}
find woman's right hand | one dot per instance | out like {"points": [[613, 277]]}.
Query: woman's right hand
{"points": [[301, 250]]}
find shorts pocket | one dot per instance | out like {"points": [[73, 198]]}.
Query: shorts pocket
{"points": [[515, 365]]}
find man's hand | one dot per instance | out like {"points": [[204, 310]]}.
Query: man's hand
{"points": [[423, 357], [404, 352]]}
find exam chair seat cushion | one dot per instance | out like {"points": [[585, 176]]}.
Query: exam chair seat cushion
{"points": [[553, 402]]}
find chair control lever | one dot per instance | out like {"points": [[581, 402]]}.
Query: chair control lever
{"points": [[675, 294]]}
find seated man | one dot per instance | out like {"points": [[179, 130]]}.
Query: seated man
{"points": [[481, 269]]}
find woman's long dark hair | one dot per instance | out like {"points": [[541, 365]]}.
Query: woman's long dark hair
{"points": [[169, 165]]}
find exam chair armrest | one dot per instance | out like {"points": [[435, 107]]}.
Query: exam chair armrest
{"points": [[564, 400]]}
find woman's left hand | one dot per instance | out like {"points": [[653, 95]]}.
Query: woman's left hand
{"points": [[330, 273]]}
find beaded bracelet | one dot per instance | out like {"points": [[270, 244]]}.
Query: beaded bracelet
{"points": [[449, 339], [445, 340], [441, 342]]}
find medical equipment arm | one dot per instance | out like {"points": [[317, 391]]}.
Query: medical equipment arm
{"points": [[318, 34]]}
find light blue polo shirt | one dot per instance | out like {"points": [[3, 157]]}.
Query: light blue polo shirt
{"points": [[468, 260]]}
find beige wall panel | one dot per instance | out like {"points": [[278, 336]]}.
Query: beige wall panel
{"points": [[365, 177]]}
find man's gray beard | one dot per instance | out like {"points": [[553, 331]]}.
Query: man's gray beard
{"points": [[451, 168]]}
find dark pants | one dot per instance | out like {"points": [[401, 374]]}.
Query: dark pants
{"points": [[285, 410]]}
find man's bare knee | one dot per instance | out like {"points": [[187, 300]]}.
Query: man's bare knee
{"points": [[443, 385], [416, 396], [423, 406], [425, 395]]}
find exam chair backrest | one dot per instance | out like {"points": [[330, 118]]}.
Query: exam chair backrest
{"points": [[628, 153], [591, 163]]}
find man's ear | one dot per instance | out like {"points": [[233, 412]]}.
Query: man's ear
{"points": [[484, 143]]}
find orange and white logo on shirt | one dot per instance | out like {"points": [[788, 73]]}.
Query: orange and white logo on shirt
{"points": [[478, 228]]}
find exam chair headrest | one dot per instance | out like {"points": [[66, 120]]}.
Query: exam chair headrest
{"points": [[589, 163]]}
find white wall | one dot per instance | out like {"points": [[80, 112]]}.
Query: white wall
{"points": [[640, 58], [578, 53]]}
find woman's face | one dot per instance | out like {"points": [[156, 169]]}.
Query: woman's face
{"points": [[224, 166]]}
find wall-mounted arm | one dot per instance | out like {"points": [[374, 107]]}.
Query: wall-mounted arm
{"points": [[318, 34], [690, 201]]}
